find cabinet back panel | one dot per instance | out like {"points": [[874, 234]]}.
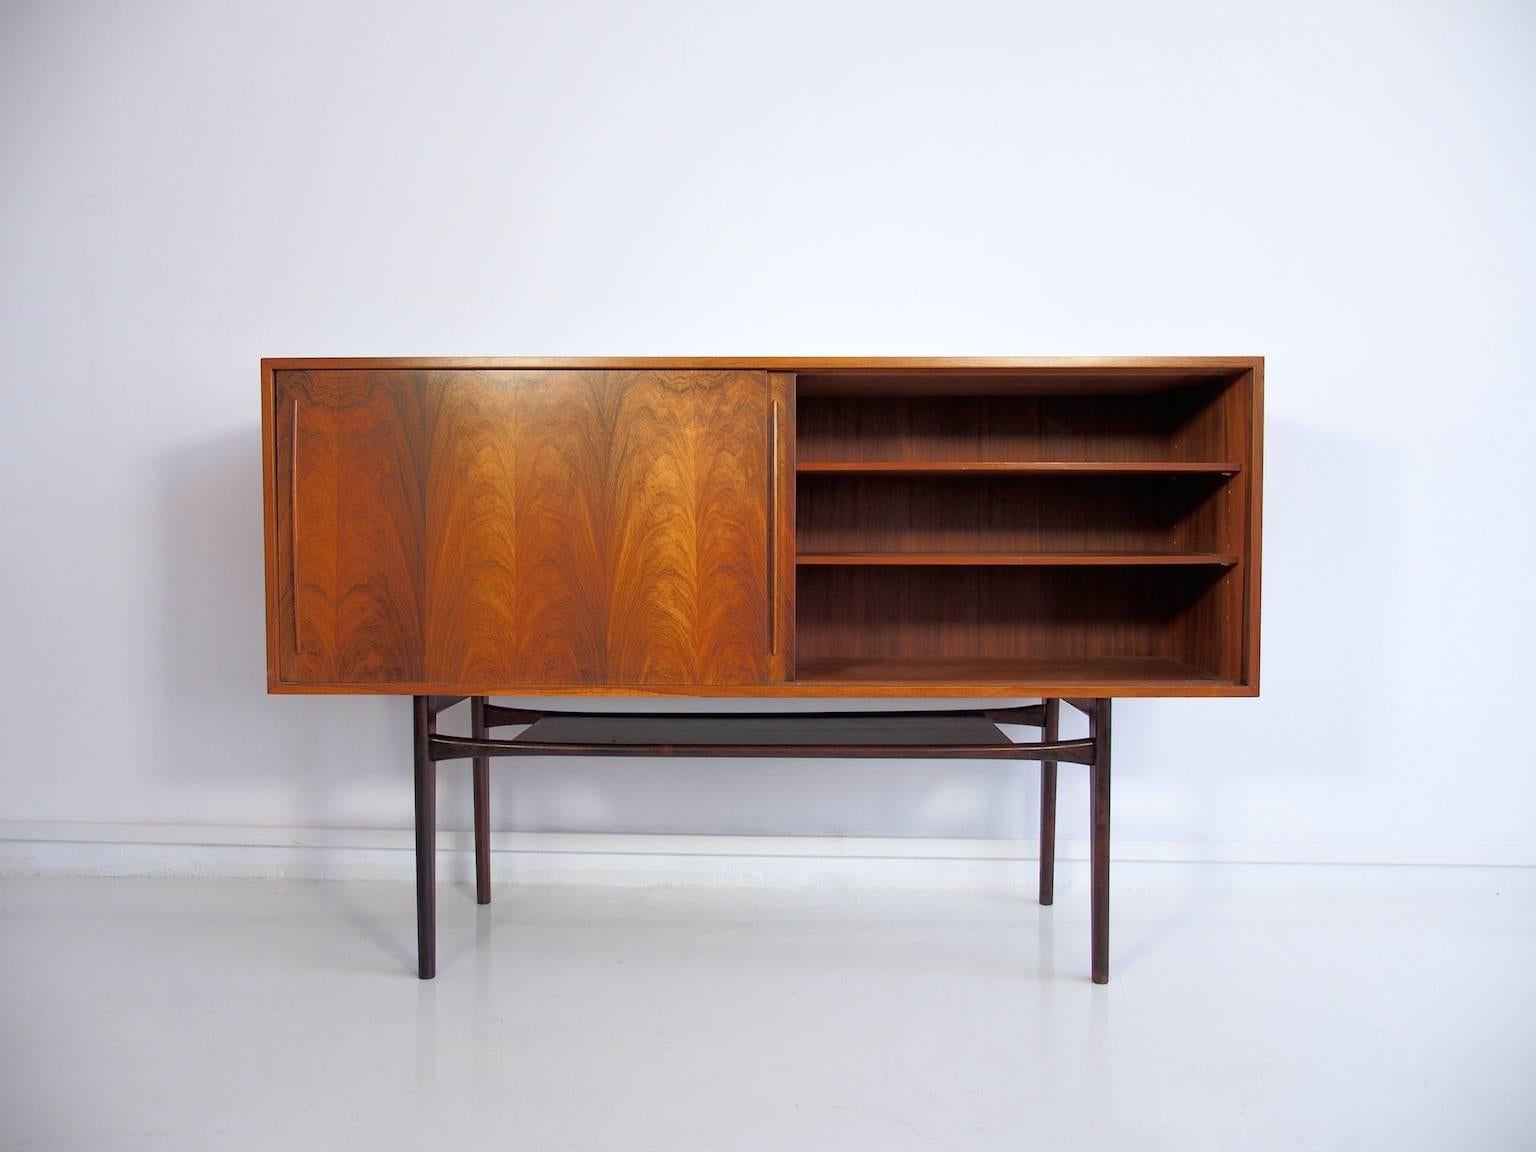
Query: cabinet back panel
{"points": [[1135, 426], [999, 613], [1059, 514]]}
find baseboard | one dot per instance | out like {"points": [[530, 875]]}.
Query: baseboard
{"points": [[100, 849]]}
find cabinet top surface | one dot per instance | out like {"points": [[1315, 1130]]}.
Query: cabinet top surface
{"points": [[1213, 365]]}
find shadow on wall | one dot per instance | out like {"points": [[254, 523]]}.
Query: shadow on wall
{"points": [[237, 755], [1321, 648]]}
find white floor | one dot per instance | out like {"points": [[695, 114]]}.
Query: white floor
{"points": [[1251, 1007]]}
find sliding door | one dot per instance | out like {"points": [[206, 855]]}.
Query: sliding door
{"points": [[477, 530]]}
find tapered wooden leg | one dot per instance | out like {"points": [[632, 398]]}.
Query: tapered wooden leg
{"points": [[1050, 731], [426, 841], [1099, 724], [482, 775]]}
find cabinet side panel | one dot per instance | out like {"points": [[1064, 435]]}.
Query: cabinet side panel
{"points": [[269, 521], [1213, 632], [1253, 560]]}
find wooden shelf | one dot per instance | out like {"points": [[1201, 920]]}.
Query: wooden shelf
{"points": [[883, 384], [1094, 670], [1015, 468], [1022, 559]]}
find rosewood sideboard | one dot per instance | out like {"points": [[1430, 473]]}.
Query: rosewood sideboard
{"points": [[1048, 529]]}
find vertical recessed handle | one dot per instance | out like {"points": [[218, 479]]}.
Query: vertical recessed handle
{"points": [[773, 518], [293, 523]]}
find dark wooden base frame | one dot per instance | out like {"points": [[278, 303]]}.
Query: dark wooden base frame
{"points": [[951, 734]]}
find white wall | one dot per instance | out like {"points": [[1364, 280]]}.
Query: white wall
{"points": [[1344, 188]]}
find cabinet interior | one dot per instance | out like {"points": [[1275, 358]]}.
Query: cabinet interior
{"points": [[1024, 526]]}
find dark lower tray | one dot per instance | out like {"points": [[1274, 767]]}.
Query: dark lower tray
{"points": [[783, 729], [957, 734]]}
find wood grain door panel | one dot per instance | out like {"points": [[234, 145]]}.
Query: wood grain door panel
{"points": [[538, 528], [350, 529]]}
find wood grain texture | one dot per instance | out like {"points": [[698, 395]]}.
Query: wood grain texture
{"points": [[914, 473], [945, 513], [687, 562], [895, 679], [1152, 676], [1216, 628], [1253, 566], [976, 612], [605, 528], [910, 559], [525, 528], [269, 524], [1136, 371], [1016, 467], [783, 523], [352, 529], [1065, 425]]}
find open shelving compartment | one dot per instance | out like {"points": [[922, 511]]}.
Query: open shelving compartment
{"points": [[1026, 526]]}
